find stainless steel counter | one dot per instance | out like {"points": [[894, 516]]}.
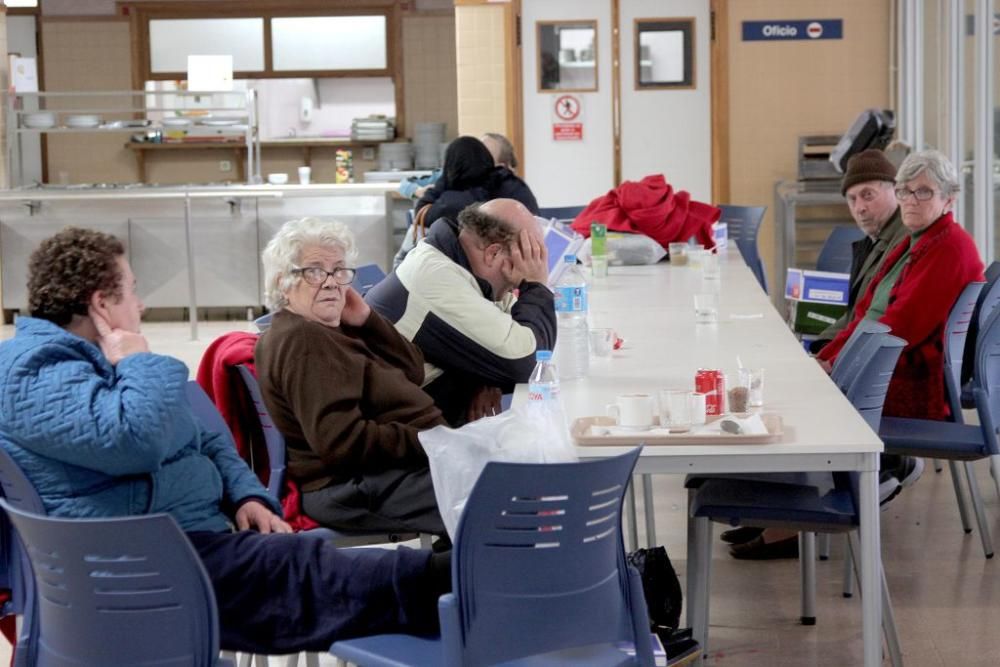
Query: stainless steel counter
{"points": [[196, 246]]}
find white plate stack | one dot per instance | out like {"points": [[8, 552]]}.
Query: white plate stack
{"points": [[395, 156], [373, 128], [83, 120], [427, 138], [39, 119]]}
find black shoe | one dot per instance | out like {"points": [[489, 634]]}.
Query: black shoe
{"points": [[758, 549], [740, 535], [909, 470]]}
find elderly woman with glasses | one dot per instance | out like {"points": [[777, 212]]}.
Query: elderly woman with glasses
{"points": [[344, 388], [919, 281]]}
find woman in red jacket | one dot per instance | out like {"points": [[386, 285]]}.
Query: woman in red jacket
{"points": [[918, 284]]}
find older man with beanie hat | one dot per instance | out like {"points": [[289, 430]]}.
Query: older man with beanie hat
{"points": [[868, 188]]}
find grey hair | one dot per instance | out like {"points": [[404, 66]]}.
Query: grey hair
{"points": [[938, 167], [507, 156], [284, 251]]}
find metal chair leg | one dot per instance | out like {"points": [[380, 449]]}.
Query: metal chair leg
{"points": [[995, 471], [888, 617], [823, 546], [937, 465], [312, 659], [261, 660], [633, 522], [977, 506], [291, 660], [245, 659], [848, 588], [807, 569], [963, 508], [648, 511], [692, 563], [699, 599]]}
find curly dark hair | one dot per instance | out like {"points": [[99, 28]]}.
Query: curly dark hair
{"points": [[66, 270], [489, 228]]}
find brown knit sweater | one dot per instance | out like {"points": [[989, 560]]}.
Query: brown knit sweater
{"points": [[347, 399]]}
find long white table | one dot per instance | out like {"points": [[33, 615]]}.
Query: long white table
{"points": [[652, 308]]}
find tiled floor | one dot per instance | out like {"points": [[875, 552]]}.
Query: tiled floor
{"points": [[946, 596]]}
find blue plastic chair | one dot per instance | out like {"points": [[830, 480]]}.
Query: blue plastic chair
{"points": [[539, 575], [743, 224], [20, 493], [837, 254], [954, 440], [560, 212], [263, 322], [118, 591], [856, 352], [275, 443], [827, 503], [988, 299], [367, 277]]}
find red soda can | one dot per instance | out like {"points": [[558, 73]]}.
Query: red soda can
{"points": [[712, 383]]}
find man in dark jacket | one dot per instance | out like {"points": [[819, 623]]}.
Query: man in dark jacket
{"points": [[453, 298], [867, 186]]}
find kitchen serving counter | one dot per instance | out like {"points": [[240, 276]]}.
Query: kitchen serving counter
{"points": [[196, 246]]}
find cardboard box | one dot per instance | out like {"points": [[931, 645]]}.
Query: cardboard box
{"points": [[811, 317], [817, 286]]}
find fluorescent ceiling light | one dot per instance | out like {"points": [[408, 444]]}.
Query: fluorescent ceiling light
{"points": [[21, 3]]}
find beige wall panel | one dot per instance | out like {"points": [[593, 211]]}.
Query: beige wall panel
{"points": [[481, 67], [430, 94], [82, 56], [781, 90]]}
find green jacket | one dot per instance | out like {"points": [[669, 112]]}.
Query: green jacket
{"points": [[862, 272]]}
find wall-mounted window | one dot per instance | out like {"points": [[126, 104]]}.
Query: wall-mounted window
{"points": [[172, 40], [305, 43], [664, 53], [567, 56]]}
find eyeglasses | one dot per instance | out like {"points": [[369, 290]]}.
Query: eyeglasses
{"points": [[315, 276], [922, 194]]}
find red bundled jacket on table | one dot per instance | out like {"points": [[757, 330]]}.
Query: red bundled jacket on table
{"points": [[651, 207]]}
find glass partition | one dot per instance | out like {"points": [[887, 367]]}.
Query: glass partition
{"points": [[171, 41], [664, 53], [303, 43]]}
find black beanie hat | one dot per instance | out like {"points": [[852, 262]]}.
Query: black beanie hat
{"points": [[868, 165]]}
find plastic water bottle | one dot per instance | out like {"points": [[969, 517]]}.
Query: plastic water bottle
{"points": [[572, 345], [543, 386]]}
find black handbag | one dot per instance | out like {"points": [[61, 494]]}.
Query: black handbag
{"points": [[660, 586]]}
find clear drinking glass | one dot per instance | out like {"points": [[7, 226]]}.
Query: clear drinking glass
{"points": [[753, 380], [602, 342], [675, 410], [710, 266], [706, 308], [678, 253]]}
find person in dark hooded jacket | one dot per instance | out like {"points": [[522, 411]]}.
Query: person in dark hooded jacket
{"points": [[470, 176]]}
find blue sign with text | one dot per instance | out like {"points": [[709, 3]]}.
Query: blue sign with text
{"points": [[766, 31]]}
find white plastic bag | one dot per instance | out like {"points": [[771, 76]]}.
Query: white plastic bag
{"points": [[528, 433], [627, 249]]}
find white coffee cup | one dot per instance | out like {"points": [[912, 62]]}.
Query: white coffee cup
{"points": [[634, 411], [304, 174], [697, 409]]}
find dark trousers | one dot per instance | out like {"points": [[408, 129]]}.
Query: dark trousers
{"points": [[292, 592], [391, 500]]}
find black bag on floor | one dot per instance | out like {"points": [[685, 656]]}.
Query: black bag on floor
{"points": [[660, 586]]}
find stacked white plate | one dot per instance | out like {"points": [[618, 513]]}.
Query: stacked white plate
{"points": [[219, 121], [427, 138], [395, 156], [176, 122], [83, 120], [39, 120]]}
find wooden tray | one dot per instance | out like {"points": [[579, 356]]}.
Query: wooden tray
{"points": [[582, 424]]}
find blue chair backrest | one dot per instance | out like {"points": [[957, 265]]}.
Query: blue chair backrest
{"points": [[560, 212], [263, 322], [986, 381], [989, 297], [867, 392], [855, 353], [273, 440], [956, 330], [206, 412], [18, 492], [992, 271], [118, 591], [837, 253], [367, 277], [538, 563], [743, 225]]}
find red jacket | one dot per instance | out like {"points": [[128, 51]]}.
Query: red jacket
{"points": [[943, 261], [651, 207], [217, 376]]}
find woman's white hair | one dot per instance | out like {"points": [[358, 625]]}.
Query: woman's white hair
{"points": [[938, 167], [284, 252]]}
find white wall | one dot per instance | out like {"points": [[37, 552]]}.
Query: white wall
{"points": [[566, 173], [668, 132]]}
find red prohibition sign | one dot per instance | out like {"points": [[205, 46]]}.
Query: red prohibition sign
{"points": [[567, 107]]}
